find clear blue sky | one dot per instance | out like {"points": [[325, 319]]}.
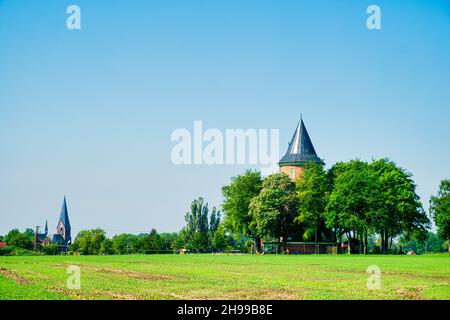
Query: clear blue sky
{"points": [[89, 113]]}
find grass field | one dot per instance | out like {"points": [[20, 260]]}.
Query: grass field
{"points": [[225, 277]]}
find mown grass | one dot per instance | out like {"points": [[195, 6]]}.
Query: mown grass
{"points": [[226, 277]]}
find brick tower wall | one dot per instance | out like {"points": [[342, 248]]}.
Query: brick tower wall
{"points": [[294, 172]]}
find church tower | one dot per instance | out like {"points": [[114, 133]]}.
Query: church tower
{"points": [[300, 152], [63, 229]]}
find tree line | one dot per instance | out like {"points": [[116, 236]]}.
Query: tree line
{"points": [[352, 201], [373, 207]]}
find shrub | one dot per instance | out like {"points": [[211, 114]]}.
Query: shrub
{"points": [[15, 251], [50, 250]]}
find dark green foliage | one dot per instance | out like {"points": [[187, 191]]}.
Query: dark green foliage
{"points": [[431, 244], [126, 243], [353, 201], [313, 190], [89, 241], [236, 204], [275, 208], [106, 247], [374, 198], [145, 243], [440, 210], [167, 239], [50, 250], [152, 242], [16, 251], [29, 233], [17, 239], [220, 240], [199, 230], [399, 210]]}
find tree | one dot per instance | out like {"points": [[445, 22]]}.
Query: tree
{"points": [[275, 207], [180, 241], [106, 247], [440, 210], [432, 243], [17, 239], [152, 242], [167, 240], [29, 233], [353, 201], [399, 210], [214, 220], [89, 241], [313, 189], [237, 197], [125, 243], [50, 249], [11, 234], [197, 232], [220, 238]]}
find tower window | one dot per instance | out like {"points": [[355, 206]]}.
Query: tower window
{"points": [[292, 173]]}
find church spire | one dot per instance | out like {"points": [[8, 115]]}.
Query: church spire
{"points": [[64, 215], [64, 218]]}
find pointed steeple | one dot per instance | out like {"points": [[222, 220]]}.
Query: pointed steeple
{"points": [[301, 149], [46, 228], [64, 217]]}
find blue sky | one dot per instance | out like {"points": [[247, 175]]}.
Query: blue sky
{"points": [[88, 113]]}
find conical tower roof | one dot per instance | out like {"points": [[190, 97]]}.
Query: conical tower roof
{"points": [[64, 216], [301, 149]]}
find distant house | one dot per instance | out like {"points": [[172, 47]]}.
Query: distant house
{"points": [[41, 238], [2, 244]]}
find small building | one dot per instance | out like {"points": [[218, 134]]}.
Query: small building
{"points": [[2, 244], [41, 239], [294, 247]]}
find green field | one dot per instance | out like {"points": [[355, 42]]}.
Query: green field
{"points": [[225, 277]]}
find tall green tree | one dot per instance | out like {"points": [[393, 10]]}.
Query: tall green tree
{"points": [[236, 204], [167, 239], [197, 232], [214, 220], [106, 247], [18, 239], [89, 241], [125, 243], [440, 210], [11, 235], [399, 210], [179, 242], [220, 238], [432, 243], [352, 202], [152, 242], [275, 208], [29, 233], [313, 190]]}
